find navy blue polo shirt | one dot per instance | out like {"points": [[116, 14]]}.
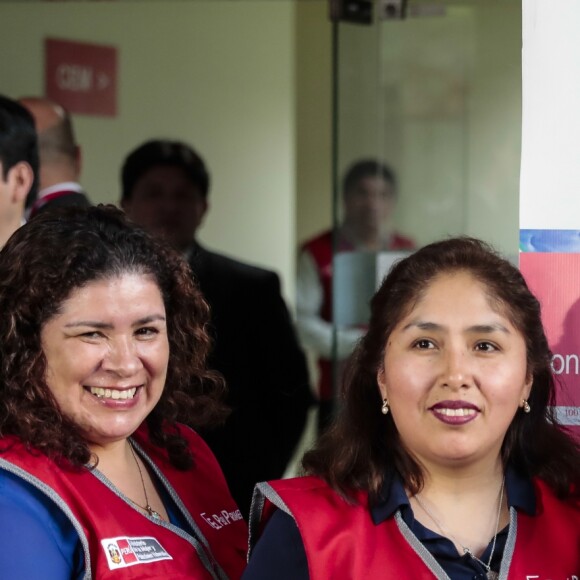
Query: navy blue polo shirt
{"points": [[280, 552]]}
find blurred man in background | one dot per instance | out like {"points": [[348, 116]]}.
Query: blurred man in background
{"points": [[165, 189], [369, 195], [18, 165], [60, 156]]}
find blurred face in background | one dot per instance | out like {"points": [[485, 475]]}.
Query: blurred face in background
{"points": [[369, 204], [166, 203]]}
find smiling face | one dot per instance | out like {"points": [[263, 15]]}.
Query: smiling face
{"points": [[107, 352], [454, 373]]}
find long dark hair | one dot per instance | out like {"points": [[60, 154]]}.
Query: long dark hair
{"points": [[42, 263], [362, 444]]}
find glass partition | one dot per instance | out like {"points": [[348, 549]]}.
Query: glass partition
{"points": [[432, 91]]}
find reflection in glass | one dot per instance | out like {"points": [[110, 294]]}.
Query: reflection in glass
{"points": [[436, 97]]}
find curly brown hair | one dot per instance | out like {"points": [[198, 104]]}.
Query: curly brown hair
{"points": [[362, 444], [40, 266]]}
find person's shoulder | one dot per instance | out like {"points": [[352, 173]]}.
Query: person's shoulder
{"points": [[193, 438], [23, 500], [321, 240], [402, 242], [307, 495], [67, 199], [289, 492], [546, 497], [204, 460], [237, 269], [306, 482], [17, 493], [195, 441], [31, 517]]}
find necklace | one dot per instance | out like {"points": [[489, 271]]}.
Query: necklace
{"points": [[152, 513], [490, 574]]}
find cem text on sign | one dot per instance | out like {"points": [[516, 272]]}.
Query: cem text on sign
{"points": [[81, 77]]}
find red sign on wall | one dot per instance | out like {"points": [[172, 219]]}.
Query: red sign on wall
{"points": [[81, 77]]}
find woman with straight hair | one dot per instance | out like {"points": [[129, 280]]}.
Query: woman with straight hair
{"points": [[445, 460]]}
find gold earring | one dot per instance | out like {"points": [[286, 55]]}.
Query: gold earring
{"points": [[385, 407], [526, 406]]}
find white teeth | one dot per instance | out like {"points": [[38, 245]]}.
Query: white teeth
{"points": [[456, 412], [113, 393]]}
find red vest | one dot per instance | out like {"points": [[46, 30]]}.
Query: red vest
{"points": [[343, 543], [320, 248], [122, 543]]}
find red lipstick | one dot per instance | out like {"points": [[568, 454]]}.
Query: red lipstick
{"points": [[454, 412]]}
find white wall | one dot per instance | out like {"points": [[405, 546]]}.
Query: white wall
{"points": [[219, 75], [550, 168], [313, 47]]}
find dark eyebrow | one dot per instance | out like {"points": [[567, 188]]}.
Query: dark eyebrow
{"points": [[423, 325], [105, 326], [152, 318], [488, 328], [477, 328], [90, 323]]}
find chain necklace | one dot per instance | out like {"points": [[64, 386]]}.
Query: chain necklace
{"points": [[152, 513], [490, 574]]}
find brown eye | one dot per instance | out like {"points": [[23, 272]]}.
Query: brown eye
{"points": [[423, 344], [91, 334], [147, 331], [485, 346]]}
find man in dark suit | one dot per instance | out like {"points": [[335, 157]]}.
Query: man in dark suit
{"points": [[60, 157], [165, 186]]}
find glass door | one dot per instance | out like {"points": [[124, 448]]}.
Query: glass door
{"points": [[427, 138]]}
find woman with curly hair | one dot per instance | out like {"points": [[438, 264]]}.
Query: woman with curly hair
{"points": [[445, 460], [102, 352]]}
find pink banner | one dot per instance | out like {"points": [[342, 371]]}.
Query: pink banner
{"points": [[555, 279]]}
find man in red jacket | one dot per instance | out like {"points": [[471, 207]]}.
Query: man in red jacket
{"points": [[369, 195]]}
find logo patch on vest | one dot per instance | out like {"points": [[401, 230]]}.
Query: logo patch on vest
{"points": [[122, 552]]}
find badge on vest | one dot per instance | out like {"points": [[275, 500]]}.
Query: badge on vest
{"points": [[122, 551]]}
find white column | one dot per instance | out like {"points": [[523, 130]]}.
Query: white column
{"points": [[550, 183]]}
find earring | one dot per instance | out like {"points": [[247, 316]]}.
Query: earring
{"points": [[526, 406], [385, 407]]}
